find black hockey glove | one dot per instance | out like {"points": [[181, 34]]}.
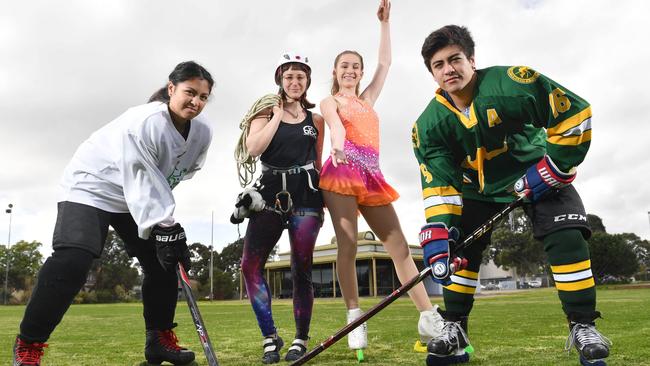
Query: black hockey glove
{"points": [[171, 247]]}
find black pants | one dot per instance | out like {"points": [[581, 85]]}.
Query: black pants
{"points": [[79, 237]]}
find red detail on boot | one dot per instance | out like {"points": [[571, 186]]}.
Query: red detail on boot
{"points": [[169, 340], [28, 353]]}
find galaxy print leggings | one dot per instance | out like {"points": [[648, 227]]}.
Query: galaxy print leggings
{"points": [[263, 232]]}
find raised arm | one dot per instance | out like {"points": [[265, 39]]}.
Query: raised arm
{"points": [[371, 93], [337, 130], [262, 130]]}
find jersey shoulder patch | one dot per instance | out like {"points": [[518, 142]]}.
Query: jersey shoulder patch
{"points": [[522, 74]]}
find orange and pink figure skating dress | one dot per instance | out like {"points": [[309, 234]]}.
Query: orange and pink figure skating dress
{"points": [[361, 177]]}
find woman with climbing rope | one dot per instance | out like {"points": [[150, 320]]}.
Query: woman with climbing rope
{"points": [[288, 139], [352, 182]]}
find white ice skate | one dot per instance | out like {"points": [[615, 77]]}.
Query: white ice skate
{"points": [[429, 327], [358, 338]]}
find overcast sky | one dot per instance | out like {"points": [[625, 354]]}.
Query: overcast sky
{"points": [[67, 68]]}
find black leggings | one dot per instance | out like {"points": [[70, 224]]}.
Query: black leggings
{"points": [[65, 272]]}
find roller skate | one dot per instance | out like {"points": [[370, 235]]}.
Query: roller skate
{"points": [[358, 338], [27, 354], [429, 327], [592, 346]]}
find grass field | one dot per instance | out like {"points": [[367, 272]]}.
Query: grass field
{"points": [[521, 328]]}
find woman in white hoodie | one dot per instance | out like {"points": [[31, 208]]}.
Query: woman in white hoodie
{"points": [[122, 176]]}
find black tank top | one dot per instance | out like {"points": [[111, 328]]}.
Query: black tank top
{"points": [[294, 144]]}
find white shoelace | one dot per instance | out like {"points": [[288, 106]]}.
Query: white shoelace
{"points": [[585, 334], [450, 332]]}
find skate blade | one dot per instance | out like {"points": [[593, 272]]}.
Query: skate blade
{"points": [[360, 356], [420, 347], [433, 360], [585, 362]]}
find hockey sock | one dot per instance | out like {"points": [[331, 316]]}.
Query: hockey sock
{"points": [[568, 255], [459, 296], [59, 281]]}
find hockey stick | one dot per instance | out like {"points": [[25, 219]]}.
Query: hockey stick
{"points": [[405, 287], [196, 316]]}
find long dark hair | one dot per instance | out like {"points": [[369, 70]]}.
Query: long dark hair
{"points": [[182, 72], [335, 83], [296, 66]]}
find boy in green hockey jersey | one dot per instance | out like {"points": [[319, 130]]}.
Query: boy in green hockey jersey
{"points": [[486, 133]]}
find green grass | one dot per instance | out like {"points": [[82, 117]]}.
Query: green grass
{"points": [[523, 328]]}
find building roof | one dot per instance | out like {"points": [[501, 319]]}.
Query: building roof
{"points": [[368, 247]]}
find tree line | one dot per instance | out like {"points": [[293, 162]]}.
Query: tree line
{"points": [[115, 277], [615, 258]]}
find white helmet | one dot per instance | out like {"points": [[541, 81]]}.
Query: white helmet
{"points": [[289, 57]]}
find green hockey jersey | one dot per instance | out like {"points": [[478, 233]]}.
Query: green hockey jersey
{"points": [[517, 115]]}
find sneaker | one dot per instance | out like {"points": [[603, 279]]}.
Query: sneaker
{"points": [[162, 345], [358, 338], [590, 344], [297, 349], [28, 354], [272, 345]]}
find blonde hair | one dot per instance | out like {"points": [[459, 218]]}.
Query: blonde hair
{"points": [[335, 83]]}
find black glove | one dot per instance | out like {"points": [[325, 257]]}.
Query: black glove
{"points": [[171, 247]]}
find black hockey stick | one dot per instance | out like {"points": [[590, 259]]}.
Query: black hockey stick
{"points": [[405, 287], [196, 316]]}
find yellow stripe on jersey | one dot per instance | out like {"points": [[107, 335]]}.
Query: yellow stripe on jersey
{"points": [[573, 267], [570, 140], [443, 210], [442, 201], [467, 122], [460, 288], [575, 286], [573, 131], [478, 164], [440, 191]]}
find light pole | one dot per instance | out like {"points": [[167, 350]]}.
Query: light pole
{"points": [[211, 256], [8, 210]]}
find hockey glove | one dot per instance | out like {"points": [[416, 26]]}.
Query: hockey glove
{"points": [[249, 200], [435, 240], [542, 178], [171, 247]]}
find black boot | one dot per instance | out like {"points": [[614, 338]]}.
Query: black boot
{"points": [[162, 345], [272, 345], [27, 354], [592, 346], [449, 347]]}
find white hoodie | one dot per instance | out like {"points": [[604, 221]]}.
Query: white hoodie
{"points": [[133, 163]]}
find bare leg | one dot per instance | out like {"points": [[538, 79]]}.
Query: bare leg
{"points": [[343, 211], [384, 222]]}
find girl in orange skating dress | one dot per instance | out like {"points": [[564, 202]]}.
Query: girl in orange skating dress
{"points": [[361, 176], [352, 182]]}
